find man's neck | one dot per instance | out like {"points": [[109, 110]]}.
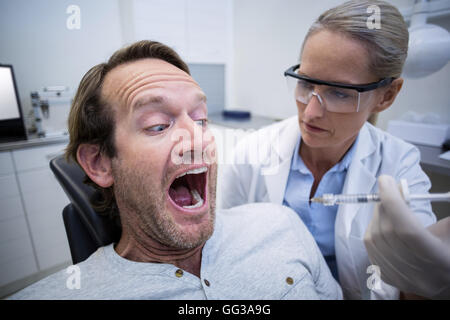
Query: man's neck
{"points": [[153, 251]]}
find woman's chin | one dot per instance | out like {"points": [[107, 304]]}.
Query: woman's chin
{"points": [[314, 141]]}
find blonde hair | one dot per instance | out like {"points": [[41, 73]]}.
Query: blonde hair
{"points": [[387, 46]]}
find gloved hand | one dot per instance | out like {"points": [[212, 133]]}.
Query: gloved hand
{"points": [[411, 257]]}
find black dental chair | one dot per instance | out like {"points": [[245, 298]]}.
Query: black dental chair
{"points": [[86, 230]]}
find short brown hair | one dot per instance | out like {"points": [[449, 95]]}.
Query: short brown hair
{"points": [[91, 120]]}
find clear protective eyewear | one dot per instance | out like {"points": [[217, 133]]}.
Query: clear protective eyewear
{"points": [[333, 96]]}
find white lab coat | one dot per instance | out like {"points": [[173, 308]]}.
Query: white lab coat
{"points": [[260, 174]]}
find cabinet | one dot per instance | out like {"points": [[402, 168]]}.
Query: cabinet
{"points": [[32, 234], [16, 250], [199, 30]]}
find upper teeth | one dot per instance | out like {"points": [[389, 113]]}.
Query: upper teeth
{"points": [[194, 171]]}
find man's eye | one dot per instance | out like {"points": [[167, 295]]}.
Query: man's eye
{"points": [[157, 128], [202, 122]]}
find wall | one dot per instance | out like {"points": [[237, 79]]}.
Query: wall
{"points": [[35, 40], [429, 94], [267, 40]]}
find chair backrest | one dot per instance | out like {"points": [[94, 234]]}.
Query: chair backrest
{"points": [[86, 229]]}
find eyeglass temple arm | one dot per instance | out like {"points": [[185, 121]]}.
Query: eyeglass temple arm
{"points": [[360, 88]]}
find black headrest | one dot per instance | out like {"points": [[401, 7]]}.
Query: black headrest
{"points": [[102, 229]]}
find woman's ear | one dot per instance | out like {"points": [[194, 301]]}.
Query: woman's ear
{"points": [[388, 95], [96, 165]]}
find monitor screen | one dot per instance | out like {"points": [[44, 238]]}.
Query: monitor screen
{"points": [[9, 108], [11, 121]]}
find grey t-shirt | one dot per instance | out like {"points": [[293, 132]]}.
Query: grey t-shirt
{"points": [[257, 251]]}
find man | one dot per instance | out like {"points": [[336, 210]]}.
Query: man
{"points": [[134, 129]]}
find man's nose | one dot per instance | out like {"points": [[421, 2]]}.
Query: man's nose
{"points": [[315, 107], [191, 141]]}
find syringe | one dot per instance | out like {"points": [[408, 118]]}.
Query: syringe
{"points": [[330, 199]]}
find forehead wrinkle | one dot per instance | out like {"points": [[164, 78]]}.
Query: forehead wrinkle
{"points": [[135, 68], [137, 88], [125, 82], [135, 78], [155, 78]]}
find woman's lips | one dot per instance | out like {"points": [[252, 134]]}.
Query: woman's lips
{"points": [[313, 128]]}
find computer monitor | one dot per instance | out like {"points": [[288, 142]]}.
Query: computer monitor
{"points": [[11, 120]]}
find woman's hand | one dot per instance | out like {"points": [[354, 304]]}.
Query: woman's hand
{"points": [[412, 258]]}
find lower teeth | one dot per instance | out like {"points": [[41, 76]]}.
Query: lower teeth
{"points": [[198, 198]]}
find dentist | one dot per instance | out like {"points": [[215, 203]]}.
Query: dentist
{"points": [[347, 74]]}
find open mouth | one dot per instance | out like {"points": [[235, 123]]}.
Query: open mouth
{"points": [[188, 190]]}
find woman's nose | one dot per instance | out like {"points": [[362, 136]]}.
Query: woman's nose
{"points": [[315, 107]]}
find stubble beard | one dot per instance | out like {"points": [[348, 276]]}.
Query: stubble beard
{"points": [[143, 211]]}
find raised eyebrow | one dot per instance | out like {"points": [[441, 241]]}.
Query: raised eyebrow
{"points": [[150, 100], [159, 100]]}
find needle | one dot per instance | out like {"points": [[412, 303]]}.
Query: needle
{"points": [[330, 199]]}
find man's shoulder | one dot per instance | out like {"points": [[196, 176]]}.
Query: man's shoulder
{"points": [[250, 211], [53, 283], [64, 283], [264, 217], [272, 238], [257, 208]]}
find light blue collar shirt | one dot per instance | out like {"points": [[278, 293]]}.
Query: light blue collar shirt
{"points": [[319, 219]]}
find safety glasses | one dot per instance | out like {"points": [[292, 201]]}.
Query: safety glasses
{"points": [[333, 96]]}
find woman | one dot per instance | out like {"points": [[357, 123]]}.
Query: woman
{"points": [[348, 73]]}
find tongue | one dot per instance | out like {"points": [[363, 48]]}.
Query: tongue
{"points": [[181, 196]]}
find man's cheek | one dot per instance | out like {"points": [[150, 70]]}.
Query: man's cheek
{"points": [[148, 167], [212, 181]]}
